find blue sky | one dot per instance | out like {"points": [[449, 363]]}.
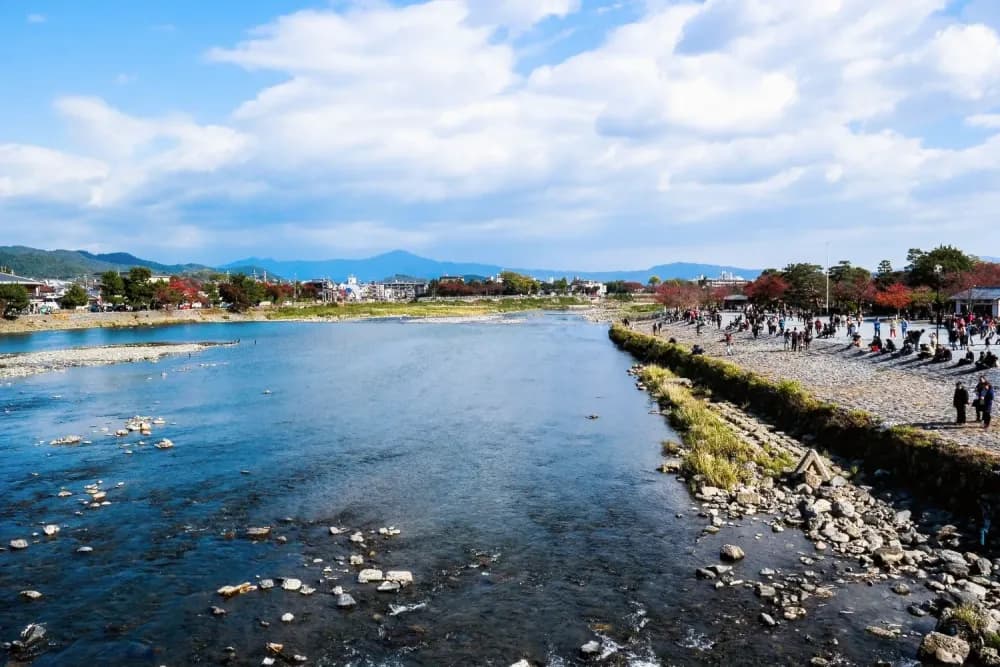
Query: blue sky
{"points": [[579, 133]]}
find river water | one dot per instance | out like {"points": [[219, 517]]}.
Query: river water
{"points": [[529, 528]]}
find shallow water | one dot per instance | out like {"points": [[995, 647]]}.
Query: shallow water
{"points": [[529, 529]]}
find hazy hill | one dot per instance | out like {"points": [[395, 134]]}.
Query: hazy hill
{"points": [[402, 262]]}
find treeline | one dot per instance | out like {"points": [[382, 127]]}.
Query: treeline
{"points": [[924, 284]]}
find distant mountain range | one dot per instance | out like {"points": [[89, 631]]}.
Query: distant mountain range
{"points": [[68, 264], [405, 263]]}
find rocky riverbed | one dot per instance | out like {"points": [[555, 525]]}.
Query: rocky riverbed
{"points": [[33, 363], [864, 532]]}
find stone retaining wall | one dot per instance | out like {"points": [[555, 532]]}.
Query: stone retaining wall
{"points": [[952, 475]]}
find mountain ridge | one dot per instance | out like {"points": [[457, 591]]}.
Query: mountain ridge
{"points": [[71, 264], [380, 266]]}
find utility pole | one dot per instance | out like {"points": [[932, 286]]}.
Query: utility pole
{"points": [[827, 279]]}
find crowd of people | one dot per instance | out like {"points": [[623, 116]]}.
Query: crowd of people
{"points": [[797, 329]]}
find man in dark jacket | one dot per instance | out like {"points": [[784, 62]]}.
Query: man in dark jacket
{"points": [[960, 401], [986, 398], [977, 402]]}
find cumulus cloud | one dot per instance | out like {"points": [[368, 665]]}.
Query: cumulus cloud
{"points": [[676, 127]]}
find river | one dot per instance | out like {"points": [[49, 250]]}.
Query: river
{"points": [[529, 528]]}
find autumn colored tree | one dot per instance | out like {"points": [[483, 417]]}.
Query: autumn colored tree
{"points": [[679, 294], [767, 289], [897, 296]]}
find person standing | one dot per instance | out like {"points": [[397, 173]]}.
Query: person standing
{"points": [[960, 401], [903, 326], [878, 327], [977, 403], [892, 327], [986, 398]]}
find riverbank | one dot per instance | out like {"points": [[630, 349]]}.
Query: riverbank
{"points": [[954, 476], [66, 320], [861, 531], [34, 363]]}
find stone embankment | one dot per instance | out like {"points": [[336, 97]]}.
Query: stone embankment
{"points": [[33, 363], [859, 536], [64, 320], [952, 475]]}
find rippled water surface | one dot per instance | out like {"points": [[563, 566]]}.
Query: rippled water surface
{"points": [[529, 529]]}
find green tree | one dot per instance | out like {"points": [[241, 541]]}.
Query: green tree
{"points": [[241, 292], [806, 284], [921, 269], [13, 300], [884, 267], [515, 283], [112, 287], [139, 291], [75, 297], [654, 281]]}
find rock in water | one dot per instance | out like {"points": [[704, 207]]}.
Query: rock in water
{"points": [[31, 595], [291, 584], [944, 648], [259, 532], [238, 589], [287, 618], [590, 648], [366, 576], [344, 600], [731, 552], [402, 577], [17, 545], [51, 529]]}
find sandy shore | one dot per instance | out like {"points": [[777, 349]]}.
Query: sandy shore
{"points": [[87, 320], [33, 363]]}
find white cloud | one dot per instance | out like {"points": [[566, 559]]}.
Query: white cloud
{"points": [[988, 120], [707, 112], [969, 55], [36, 18], [32, 171]]}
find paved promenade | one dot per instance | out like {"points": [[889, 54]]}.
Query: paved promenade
{"points": [[899, 390]]}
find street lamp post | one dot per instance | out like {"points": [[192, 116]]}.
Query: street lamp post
{"points": [[937, 303]]}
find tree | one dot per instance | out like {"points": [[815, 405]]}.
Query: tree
{"points": [[852, 285], [139, 291], [241, 292], [679, 294], [13, 300], [112, 287], [921, 298], [654, 281], [515, 283], [896, 296], [75, 297], [769, 288], [884, 275], [952, 261], [884, 267], [806, 283]]}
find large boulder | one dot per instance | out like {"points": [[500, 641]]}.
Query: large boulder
{"points": [[731, 553], [944, 649]]}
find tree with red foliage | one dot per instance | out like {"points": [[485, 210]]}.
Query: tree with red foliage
{"points": [[767, 289], [679, 294], [896, 295], [982, 274]]}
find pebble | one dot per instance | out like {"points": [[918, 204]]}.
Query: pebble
{"points": [[291, 584], [18, 544], [287, 618]]}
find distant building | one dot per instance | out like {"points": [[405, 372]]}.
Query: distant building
{"points": [[980, 300], [451, 280], [36, 288], [726, 279], [402, 288], [588, 287]]}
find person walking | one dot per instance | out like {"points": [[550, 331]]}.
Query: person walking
{"points": [[878, 327], [986, 398], [904, 324], [960, 401]]}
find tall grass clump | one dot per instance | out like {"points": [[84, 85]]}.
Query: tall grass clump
{"points": [[715, 451]]}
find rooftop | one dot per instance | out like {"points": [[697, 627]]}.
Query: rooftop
{"points": [[11, 279], [977, 294]]}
